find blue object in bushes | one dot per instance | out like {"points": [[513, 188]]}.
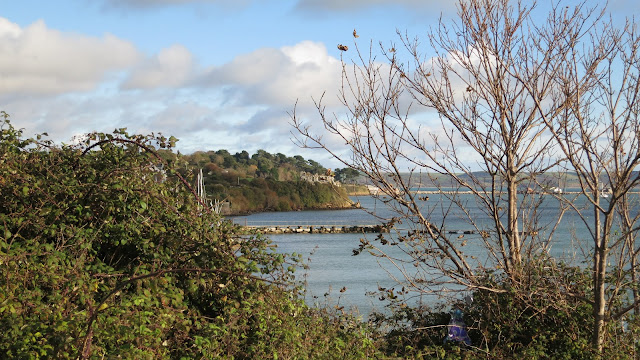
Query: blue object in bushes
{"points": [[457, 329]]}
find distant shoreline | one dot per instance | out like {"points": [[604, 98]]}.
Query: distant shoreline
{"points": [[313, 208]]}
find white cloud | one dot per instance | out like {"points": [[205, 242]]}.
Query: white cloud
{"points": [[279, 76], [435, 6], [239, 105], [171, 67], [183, 118], [254, 68], [39, 60]]}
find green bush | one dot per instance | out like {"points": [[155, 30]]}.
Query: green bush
{"points": [[102, 258], [543, 315]]}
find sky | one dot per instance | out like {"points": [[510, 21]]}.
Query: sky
{"points": [[216, 74]]}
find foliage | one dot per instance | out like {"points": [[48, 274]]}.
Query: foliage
{"points": [[102, 258], [264, 182], [261, 164], [551, 322], [347, 175]]}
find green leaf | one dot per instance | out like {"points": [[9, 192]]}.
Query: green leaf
{"points": [[143, 205]]}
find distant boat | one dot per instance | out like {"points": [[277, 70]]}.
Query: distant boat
{"points": [[556, 190]]}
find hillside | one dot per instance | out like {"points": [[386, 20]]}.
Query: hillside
{"points": [[246, 183]]}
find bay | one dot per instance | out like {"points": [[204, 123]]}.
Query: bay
{"points": [[332, 266]]}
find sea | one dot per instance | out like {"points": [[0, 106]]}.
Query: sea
{"points": [[335, 278]]}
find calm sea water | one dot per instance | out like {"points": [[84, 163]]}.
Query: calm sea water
{"points": [[332, 266]]}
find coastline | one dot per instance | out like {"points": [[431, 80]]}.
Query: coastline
{"points": [[328, 207]]}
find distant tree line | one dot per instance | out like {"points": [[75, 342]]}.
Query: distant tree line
{"points": [[263, 181], [261, 164]]}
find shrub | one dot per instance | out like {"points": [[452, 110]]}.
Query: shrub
{"points": [[541, 316], [101, 259]]}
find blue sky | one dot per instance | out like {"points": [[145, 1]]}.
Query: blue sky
{"points": [[217, 74]]}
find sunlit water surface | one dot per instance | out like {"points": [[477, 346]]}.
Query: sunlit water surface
{"points": [[332, 266]]}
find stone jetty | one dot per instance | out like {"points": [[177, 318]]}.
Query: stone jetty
{"points": [[318, 229]]}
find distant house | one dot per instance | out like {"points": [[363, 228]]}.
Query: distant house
{"points": [[373, 190], [317, 178]]}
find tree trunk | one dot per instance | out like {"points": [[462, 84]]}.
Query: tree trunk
{"points": [[600, 269], [600, 255], [515, 256]]}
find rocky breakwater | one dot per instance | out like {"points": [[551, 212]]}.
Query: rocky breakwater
{"points": [[319, 229]]}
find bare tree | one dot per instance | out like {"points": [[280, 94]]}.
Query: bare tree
{"points": [[489, 56], [516, 97], [596, 126], [485, 73]]}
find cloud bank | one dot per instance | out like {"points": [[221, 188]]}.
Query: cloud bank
{"points": [[39, 60], [277, 76], [68, 84]]}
